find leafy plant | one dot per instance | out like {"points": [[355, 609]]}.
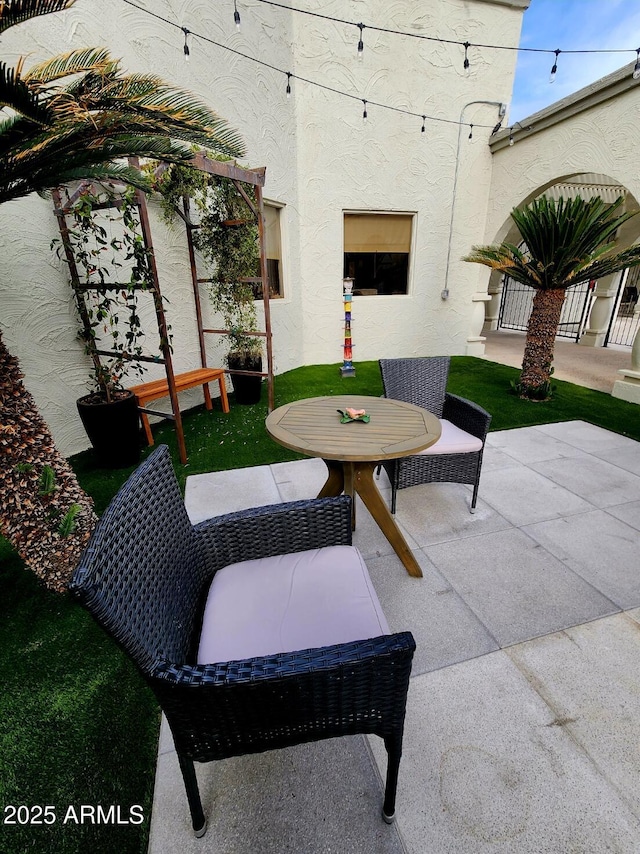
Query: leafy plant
{"points": [[227, 237], [109, 308], [566, 242]]}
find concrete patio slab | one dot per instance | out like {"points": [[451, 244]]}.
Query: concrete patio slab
{"points": [[299, 479], [486, 768], [626, 457], [529, 445], [494, 458], [522, 495], [590, 677], [629, 513], [517, 589], [587, 437], [595, 480], [599, 548], [216, 493], [444, 627], [439, 512], [313, 798]]}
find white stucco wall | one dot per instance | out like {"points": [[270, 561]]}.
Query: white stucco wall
{"points": [[320, 159], [594, 130]]}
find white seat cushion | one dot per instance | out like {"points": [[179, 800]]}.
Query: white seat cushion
{"points": [[282, 604], [453, 440]]}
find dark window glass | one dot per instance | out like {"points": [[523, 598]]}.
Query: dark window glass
{"points": [[376, 273]]}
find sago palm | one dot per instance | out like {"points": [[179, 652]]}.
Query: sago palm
{"points": [[566, 242], [72, 117]]}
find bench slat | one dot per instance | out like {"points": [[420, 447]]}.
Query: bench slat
{"points": [[154, 389]]}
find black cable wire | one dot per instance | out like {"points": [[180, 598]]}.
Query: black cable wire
{"points": [[292, 76], [437, 38]]}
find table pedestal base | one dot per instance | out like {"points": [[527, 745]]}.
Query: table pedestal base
{"points": [[357, 477]]}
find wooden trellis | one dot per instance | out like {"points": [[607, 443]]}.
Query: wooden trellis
{"points": [[239, 176]]}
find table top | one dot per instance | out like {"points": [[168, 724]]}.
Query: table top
{"points": [[312, 427]]}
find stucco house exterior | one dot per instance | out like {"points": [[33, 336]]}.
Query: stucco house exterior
{"points": [[339, 189]]}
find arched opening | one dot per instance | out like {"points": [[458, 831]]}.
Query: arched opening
{"points": [[600, 313]]}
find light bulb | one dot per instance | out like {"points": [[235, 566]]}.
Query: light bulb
{"points": [[288, 85], [554, 68], [636, 67], [236, 16]]}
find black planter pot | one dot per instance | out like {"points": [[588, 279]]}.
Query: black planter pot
{"points": [[113, 429], [247, 388]]}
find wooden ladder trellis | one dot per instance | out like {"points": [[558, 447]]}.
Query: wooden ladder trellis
{"points": [[256, 179], [62, 210], [200, 161]]}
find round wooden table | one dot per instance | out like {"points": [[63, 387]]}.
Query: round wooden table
{"points": [[351, 451]]}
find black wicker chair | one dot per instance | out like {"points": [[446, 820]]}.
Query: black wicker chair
{"points": [[423, 381], [145, 576]]}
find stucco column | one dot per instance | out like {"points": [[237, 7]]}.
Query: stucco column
{"points": [[475, 341], [605, 295], [628, 386], [492, 307]]}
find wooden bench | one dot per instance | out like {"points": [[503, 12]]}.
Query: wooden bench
{"points": [[146, 392]]}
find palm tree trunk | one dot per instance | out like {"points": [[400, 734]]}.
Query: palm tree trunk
{"points": [[39, 492], [541, 336]]}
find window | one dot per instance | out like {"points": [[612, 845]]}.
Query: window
{"points": [[376, 252], [273, 247]]}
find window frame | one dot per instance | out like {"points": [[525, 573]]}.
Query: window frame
{"points": [[412, 242]]}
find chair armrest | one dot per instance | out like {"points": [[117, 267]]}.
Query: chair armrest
{"points": [[220, 710], [466, 415], [286, 664], [275, 529]]}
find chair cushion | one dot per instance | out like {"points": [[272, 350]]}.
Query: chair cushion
{"points": [[453, 440], [289, 602]]}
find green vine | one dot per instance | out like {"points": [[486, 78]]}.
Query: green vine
{"points": [[227, 238], [114, 321]]}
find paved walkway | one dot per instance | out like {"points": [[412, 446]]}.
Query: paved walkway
{"points": [[592, 367], [523, 721]]}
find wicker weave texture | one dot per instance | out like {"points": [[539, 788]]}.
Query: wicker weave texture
{"points": [[423, 382], [144, 577]]}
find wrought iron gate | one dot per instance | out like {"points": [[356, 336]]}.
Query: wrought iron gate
{"points": [[517, 301], [625, 320]]}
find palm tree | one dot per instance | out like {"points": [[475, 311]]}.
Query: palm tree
{"points": [[69, 118], [565, 243]]}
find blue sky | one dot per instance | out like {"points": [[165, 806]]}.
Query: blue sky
{"points": [[577, 25]]}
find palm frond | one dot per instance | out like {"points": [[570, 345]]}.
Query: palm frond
{"points": [[15, 93], [73, 62], [14, 12], [99, 116], [568, 241]]}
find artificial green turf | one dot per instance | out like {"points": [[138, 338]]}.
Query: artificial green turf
{"points": [[78, 724]]}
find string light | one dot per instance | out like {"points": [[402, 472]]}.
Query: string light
{"points": [[288, 85], [360, 43], [236, 15], [470, 131], [466, 58], [554, 68], [512, 129], [186, 45], [636, 67], [207, 40], [424, 118], [364, 112]]}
